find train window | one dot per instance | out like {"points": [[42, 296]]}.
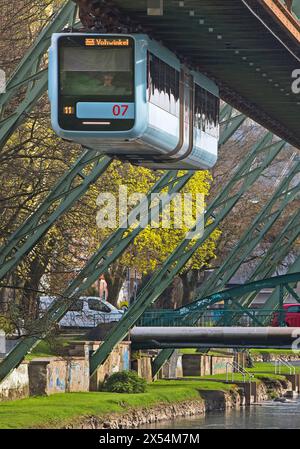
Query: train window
{"points": [[163, 85], [206, 115], [97, 72]]}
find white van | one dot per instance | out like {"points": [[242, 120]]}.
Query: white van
{"points": [[87, 311]]}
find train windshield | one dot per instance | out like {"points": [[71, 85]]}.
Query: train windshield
{"points": [[103, 73]]}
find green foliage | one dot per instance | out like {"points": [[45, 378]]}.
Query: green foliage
{"points": [[125, 382], [6, 325]]}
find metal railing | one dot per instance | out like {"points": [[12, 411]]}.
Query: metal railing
{"points": [[211, 317], [237, 369], [278, 364]]}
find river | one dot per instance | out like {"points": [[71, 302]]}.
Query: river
{"points": [[267, 415]]}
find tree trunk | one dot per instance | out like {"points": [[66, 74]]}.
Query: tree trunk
{"points": [[115, 278], [30, 302], [189, 283]]}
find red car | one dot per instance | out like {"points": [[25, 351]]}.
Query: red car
{"points": [[291, 316]]}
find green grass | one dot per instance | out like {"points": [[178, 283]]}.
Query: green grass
{"points": [[45, 349], [195, 351], [59, 409], [274, 351], [260, 371], [265, 367]]}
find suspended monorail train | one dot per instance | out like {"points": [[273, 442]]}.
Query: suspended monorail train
{"points": [[131, 97]]}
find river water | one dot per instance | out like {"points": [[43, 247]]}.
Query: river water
{"points": [[267, 415]]}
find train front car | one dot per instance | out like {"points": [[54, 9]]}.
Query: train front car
{"points": [[129, 96]]}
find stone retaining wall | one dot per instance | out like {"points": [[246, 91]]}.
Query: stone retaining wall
{"points": [[58, 375], [205, 365], [16, 385], [50, 375]]}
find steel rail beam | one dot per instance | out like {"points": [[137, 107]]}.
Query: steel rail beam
{"points": [[220, 207]]}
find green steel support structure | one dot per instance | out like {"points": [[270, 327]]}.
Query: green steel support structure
{"points": [[232, 294], [287, 191], [99, 263], [71, 186], [230, 122], [258, 159], [28, 73], [241, 290], [272, 301], [24, 239], [275, 254]]}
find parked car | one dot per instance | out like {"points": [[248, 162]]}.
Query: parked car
{"points": [[86, 312], [291, 316]]}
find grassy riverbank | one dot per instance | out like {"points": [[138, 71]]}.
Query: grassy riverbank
{"points": [[59, 409]]}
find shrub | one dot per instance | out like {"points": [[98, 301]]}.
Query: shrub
{"points": [[125, 382]]}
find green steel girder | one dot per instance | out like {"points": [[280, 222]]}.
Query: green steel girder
{"points": [[28, 72], [275, 254], [70, 187], [10, 124], [244, 177], [230, 122], [226, 295], [272, 301], [241, 290], [111, 249], [284, 195], [99, 263], [279, 248], [65, 195]]}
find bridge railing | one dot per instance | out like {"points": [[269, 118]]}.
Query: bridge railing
{"points": [[214, 317]]}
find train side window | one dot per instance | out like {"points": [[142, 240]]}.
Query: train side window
{"points": [[206, 114], [163, 85]]}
